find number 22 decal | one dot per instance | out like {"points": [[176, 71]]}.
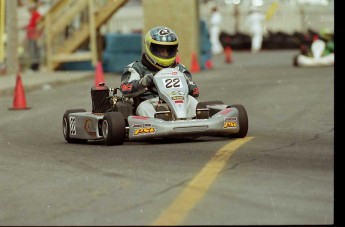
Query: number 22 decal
{"points": [[170, 83]]}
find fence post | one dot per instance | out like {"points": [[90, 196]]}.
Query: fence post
{"points": [[12, 63], [2, 30]]}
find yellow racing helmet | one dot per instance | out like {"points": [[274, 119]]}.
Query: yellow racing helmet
{"points": [[161, 46]]}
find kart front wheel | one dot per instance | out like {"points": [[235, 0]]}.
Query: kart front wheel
{"points": [[113, 128], [66, 126], [243, 121]]}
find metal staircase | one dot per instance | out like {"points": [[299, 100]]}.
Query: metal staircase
{"points": [[71, 24]]}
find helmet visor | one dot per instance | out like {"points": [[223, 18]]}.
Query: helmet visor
{"points": [[163, 51]]}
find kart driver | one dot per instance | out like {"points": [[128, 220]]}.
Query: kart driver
{"points": [[160, 52]]}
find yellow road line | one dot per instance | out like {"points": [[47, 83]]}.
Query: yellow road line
{"points": [[196, 189]]}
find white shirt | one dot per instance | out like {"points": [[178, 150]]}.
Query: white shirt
{"points": [[254, 22], [216, 18]]}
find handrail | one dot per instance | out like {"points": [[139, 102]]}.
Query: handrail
{"points": [[57, 21], [62, 23], [57, 6]]}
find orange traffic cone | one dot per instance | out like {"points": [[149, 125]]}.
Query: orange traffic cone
{"points": [[99, 76], [19, 100], [195, 67], [209, 64], [228, 54]]}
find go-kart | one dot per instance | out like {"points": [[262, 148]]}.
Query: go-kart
{"points": [[113, 119], [316, 56]]}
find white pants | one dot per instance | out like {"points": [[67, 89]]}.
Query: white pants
{"points": [[216, 46], [257, 37], [147, 107], [256, 41]]}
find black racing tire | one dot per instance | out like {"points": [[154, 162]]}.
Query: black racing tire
{"points": [[66, 126], [243, 121], [113, 128]]}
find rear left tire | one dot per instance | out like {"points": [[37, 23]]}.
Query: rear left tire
{"points": [[66, 126]]}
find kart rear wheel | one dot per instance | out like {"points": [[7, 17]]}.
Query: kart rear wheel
{"points": [[66, 126], [113, 128], [243, 120]]}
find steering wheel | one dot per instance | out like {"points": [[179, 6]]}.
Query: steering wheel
{"points": [[153, 89]]}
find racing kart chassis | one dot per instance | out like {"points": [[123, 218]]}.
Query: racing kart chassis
{"points": [[113, 119]]}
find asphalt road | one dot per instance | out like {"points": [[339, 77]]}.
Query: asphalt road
{"points": [[281, 174]]}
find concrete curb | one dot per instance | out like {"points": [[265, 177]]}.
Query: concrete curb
{"points": [[37, 81]]}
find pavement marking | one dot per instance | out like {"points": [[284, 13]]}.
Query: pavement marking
{"points": [[196, 189]]}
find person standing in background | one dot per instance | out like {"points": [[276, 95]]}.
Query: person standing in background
{"points": [[254, 23], [32, 35], [215, 22]]}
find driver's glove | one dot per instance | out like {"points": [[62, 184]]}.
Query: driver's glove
{"points": [[193, 89], [147, 80]]}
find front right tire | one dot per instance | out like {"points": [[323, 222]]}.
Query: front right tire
{"points": [[243, 121]]}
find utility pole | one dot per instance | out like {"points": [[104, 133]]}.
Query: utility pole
{"points": [[2, 30], [12, 64]]}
